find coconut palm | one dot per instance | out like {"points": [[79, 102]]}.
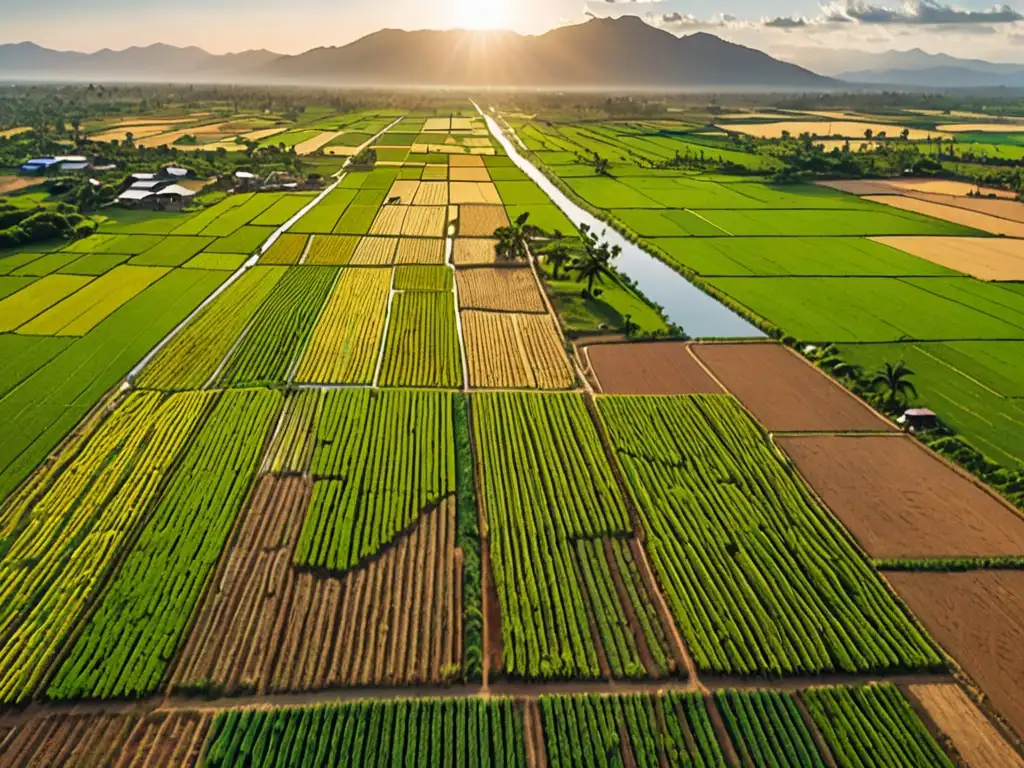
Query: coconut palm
{"points": [[557, 256], [594, 264], [514, 240], [892, 381]]}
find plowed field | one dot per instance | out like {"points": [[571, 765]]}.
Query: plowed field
{"points": [[665, 368]]}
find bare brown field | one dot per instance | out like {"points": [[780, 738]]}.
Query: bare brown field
{"points": [[469, 174], [405, 190], [271, 628], [898, 500], [389, 220], [986, 258], [310, 146], [473, 193], [956, 215], [332, 249], [974, 737], [466, 161], [468, 251], [420, 251], [425, 221], [431, 193], [978, 617], [785, 393], [661, 368], [511, 289], [374, 251], [116, 740], [10, 184], [481, 220], [1003, 209], [515, 351]]}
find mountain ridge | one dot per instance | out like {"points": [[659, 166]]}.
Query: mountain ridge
{"points": [[624, 53]]}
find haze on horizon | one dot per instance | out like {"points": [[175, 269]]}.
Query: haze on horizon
{"points": [[790, 29]]}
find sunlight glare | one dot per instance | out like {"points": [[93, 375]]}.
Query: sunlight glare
{"points": [[481, 14]]}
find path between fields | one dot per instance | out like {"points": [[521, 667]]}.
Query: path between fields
{"points": [[524, 690]]}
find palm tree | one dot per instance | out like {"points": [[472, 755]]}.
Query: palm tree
{"points": [[514, 240], [893, 381], [594, 264], [557, 256]]}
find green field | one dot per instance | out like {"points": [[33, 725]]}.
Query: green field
{"points": [[974, 386], [859, 309]]}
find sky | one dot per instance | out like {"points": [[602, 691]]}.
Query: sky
{"points": [[791, 29]]}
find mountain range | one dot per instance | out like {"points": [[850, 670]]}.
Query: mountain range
{"points": [[914, 68], [623, 53]]}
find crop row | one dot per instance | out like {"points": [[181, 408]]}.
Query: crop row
{"points": [[423, 278], [62, 534], [873, 727], [606, 731], [758, 576], [279, 330], [545, 481], [346, 341], [505, 349], [381, 459], [193, 355], [766, 728], [431, 732], [423, 342], [127, 644]]}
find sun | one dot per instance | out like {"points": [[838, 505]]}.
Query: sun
{"points": [[481, 14]]}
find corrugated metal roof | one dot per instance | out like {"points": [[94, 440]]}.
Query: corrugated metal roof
{"points": [[175, 189], [135, 194]]}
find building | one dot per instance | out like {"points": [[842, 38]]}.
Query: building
{"points": [[157, 194], [58, 162]]}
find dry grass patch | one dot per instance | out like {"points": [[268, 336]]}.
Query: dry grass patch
{"points": [[404, 190], [986, 258], [466, 161], [516, 351], [1002, 209], [511, 289], [979, 221], [425, 221], [472, 252], [420, 251], [431, 193], [982, 127], [469, 174], [828, 129], [946, 187], [438, 124], [462, 123], [167, 139], [137, 132], [389, 220], [309, 146], [264, 133], [472, 193], [375, 251], [481, 220], [332, 249], [477, 142]]}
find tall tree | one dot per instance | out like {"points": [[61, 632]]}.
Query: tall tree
{"points": [[514, 240], [893, 383]]}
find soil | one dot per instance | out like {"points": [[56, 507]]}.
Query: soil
{"points": [[898, 500], [974, 737], [957, 215], [785, 392], [984, 258], [663, 368], [978, 618], [10, 184], [266, 626], [1002, 209]]}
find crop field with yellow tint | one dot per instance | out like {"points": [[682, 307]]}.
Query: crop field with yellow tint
{"points": [[514, 351]]}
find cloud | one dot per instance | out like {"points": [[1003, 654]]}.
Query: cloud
{"points": [[678, 20], [916, 13], [785, 22]]}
